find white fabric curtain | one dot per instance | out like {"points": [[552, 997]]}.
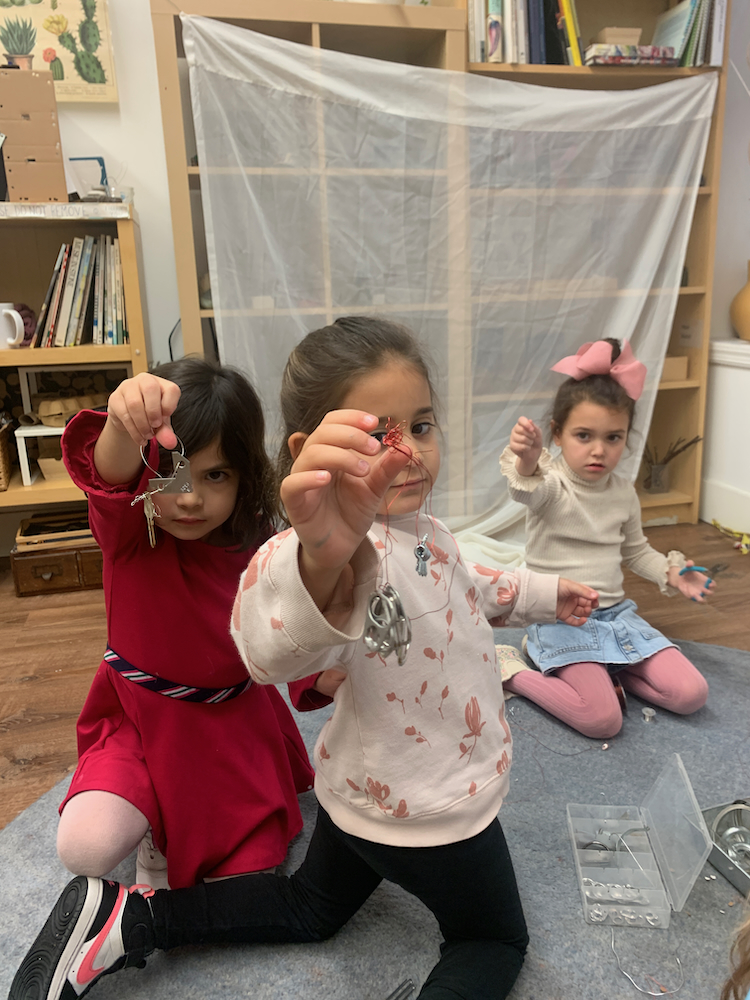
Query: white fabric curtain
{"points": [[505, 223]]}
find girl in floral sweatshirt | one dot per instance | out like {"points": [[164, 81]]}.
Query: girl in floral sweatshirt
{"points": [[414, 763]]}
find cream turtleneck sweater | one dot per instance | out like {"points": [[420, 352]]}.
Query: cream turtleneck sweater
{"points": [[583, 530]]}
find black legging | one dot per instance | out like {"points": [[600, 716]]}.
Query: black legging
{"points": [[469, 886]]}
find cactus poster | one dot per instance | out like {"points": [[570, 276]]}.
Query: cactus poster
{"points": [[69, 38]]}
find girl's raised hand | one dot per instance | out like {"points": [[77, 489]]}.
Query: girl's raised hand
{"points": [[693, 584], [142, 407], [575, 602], [526, 445], [335, 488]]}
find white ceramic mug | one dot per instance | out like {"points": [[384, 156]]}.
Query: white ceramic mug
{"points": [[11, 326]]}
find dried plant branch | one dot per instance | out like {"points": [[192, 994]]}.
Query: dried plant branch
{"points": [[675, 448]]}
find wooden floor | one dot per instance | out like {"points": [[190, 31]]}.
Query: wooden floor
{"points": [[51, 646]]}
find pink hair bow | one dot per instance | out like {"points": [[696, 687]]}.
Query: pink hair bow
{"points": [[596, 359]]}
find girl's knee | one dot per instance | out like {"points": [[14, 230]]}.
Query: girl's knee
{"points": [[81, 856], [691, 695], [601, 723]]}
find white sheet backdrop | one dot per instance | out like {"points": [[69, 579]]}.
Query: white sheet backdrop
{"points": [[505, 223]]}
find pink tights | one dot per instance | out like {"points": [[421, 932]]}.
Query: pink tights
{"points": [[583, 696]]}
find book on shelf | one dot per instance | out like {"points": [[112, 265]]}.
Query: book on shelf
{"points": [[629, 55], [66, 305], [84, 326], [674, 26], [109, 285], [522, 33], [554, 34], [537, 48], [509, 31], [570, 22], [54, 309], [695, 50], [96, 335], [75, 310], [716, 30], [42, 317], [85, 299], [549, 32], [495, 47]]}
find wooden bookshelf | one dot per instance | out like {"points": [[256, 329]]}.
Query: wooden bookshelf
{"points": [[436, 36], [30, 238], [680, 405]]}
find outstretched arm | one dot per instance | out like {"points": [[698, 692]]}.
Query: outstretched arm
{"points": [[332, 495]]}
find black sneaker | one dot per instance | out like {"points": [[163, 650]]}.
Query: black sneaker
{"points": [[95, 928]]}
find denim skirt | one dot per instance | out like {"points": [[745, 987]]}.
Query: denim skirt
{"points": [[616, 637]]}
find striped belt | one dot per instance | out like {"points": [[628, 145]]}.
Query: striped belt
{"points": [[180, 692]]}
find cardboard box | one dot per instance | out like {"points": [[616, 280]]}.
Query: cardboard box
{"points": [[21, 152], [32, 155], [53, 468], [619, 36], [39, 129], [23, 91], [675, 369]]}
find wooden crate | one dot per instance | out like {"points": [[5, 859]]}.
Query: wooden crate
{"points": [[56, 570], [54, 531]]}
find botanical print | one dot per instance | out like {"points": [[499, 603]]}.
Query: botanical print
{"points": [[69, 38], [473, 716], [380, 794]]}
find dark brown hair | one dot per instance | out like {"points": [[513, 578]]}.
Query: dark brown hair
{"points": [[600, 389], [218, 403], [324, 366]]}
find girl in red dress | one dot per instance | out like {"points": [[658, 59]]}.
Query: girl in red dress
{"points": [[178, 752]]}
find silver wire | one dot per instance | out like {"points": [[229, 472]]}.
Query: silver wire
{"points": [[649, 993]]}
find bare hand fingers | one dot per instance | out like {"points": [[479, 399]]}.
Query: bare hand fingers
{"points": [[349, 432]]}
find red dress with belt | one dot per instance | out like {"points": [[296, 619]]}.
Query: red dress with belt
{"points": [[217, 782]]}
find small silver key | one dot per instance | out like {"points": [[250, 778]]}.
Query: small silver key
{"points": [[423, 555]]}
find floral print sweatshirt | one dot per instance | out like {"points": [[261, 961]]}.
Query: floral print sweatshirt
{"points": [[415, 755]]}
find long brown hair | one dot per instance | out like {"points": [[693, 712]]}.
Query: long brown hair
{"points": [[324, 366], [218, 403], [600, 389], [738, 984]]}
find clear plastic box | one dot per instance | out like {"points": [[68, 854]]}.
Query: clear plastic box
{"points": [[636, 864]]}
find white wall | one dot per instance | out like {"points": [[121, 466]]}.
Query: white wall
{"points": [[725, 495], [733, 232], [129, 137]]}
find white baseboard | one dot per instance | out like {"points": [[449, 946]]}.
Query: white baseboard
{"points": [[725, 504]]}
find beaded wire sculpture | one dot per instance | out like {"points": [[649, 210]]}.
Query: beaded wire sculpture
{"points": [[388, 627]]}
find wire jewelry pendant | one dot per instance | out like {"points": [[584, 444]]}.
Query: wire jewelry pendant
{"points": [[180, 481], [387, 626], [422, 554]]}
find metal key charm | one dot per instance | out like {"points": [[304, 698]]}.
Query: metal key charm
{"points": [[179, 482], [423, 555], [149, 509]]}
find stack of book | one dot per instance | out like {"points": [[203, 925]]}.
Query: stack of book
{"points": [[630, 55], [548, 32], [84, 303]]}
